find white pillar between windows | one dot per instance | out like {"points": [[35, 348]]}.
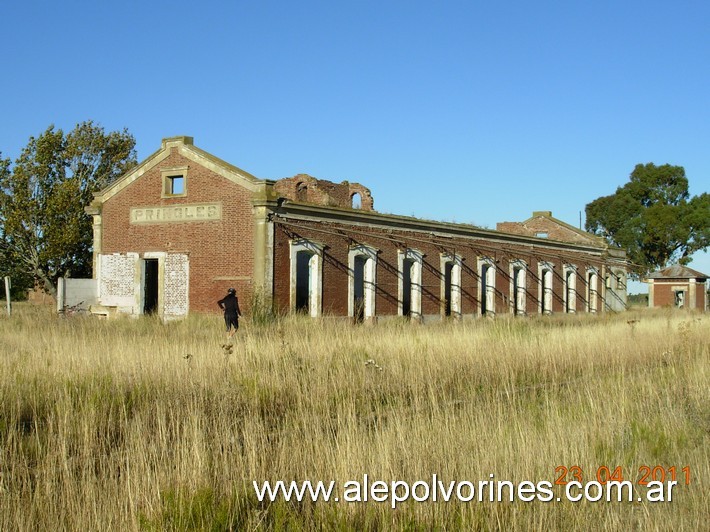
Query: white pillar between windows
{"points": [[520, 296], [570, 289], [592, 292], [548, 291], [518, 279], [416, 298], [315, 285], [491, 290], [692, 298], [370, 282], [456, 288]]}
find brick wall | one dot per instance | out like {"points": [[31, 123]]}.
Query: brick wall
{"points": [[544, 224], [307, 189], [664, 293], [338, 238], [220, 251]]}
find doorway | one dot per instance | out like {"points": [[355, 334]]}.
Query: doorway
{"points": [[303, 281], [150, 287]]}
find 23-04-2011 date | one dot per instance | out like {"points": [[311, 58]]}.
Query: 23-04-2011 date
{"points": [[604, 474]]}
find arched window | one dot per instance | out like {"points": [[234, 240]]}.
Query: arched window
{"points": [[362, 265], [518, 280], [356, 201], [544, 294], [592, 290], [301, 191], [451, 285], [570, 293], [410, 283], [487, 286], [306, 277]]}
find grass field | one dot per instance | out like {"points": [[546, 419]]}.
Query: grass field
{"points": [[132, 424]]}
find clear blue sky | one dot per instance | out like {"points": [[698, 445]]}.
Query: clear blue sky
{"points": [[455, 110]]}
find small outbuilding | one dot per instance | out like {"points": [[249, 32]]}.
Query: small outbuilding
{"points": [[677, 286]]}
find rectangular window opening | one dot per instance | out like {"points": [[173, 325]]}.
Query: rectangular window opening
{"points": [[176, 185]]}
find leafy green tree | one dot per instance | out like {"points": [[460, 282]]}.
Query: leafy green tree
{"points": [[20, 281], [45, 232], [653, 218]]}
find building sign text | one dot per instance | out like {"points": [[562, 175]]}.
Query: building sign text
{"points": [[177, 213]]}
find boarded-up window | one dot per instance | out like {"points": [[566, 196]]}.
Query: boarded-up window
{"points": [[176, 285], [117, 280]]}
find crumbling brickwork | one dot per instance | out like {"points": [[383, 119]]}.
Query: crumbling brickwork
{"points": [[307, 189]]}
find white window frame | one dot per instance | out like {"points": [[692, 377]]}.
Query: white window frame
{"points": [[167, 175], [490, 282], [592, 305], [457, 263], [315, 272], [544, 300], [520, 297], [570, 288], [369, 279], [415, 297]]}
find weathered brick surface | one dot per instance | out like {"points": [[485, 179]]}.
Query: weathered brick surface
{"points": [[338, 238], [217, 249], [221, 252], [307, 189], [545, 224], [664, 293]]}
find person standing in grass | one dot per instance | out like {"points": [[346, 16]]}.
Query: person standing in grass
{"points": [[230, 305]]}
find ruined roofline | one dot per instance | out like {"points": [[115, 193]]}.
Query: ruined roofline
{"points": [[304, 188], [317, 213]]}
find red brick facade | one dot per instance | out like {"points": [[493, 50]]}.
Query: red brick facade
{"points": [[340, 236], [543, 225], [678, 286], [220, 252]]}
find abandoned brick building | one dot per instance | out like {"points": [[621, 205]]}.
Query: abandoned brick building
{"points": [[677, 286], [175, 232]]}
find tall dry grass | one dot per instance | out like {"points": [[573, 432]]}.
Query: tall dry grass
{"points": [[132, 424]]}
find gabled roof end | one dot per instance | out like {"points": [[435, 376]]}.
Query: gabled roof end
{"points": [[175, 141]]}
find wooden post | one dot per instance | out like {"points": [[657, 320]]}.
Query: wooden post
{"points": [[60, 295], [7, 295]]}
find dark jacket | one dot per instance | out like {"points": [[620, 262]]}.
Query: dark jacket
{"points": [[230, 305]]}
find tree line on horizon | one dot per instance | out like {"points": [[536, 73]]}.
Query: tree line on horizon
{"points": [[45, 233]]}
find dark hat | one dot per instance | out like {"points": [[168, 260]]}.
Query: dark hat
{"points": [[231, 291]]}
